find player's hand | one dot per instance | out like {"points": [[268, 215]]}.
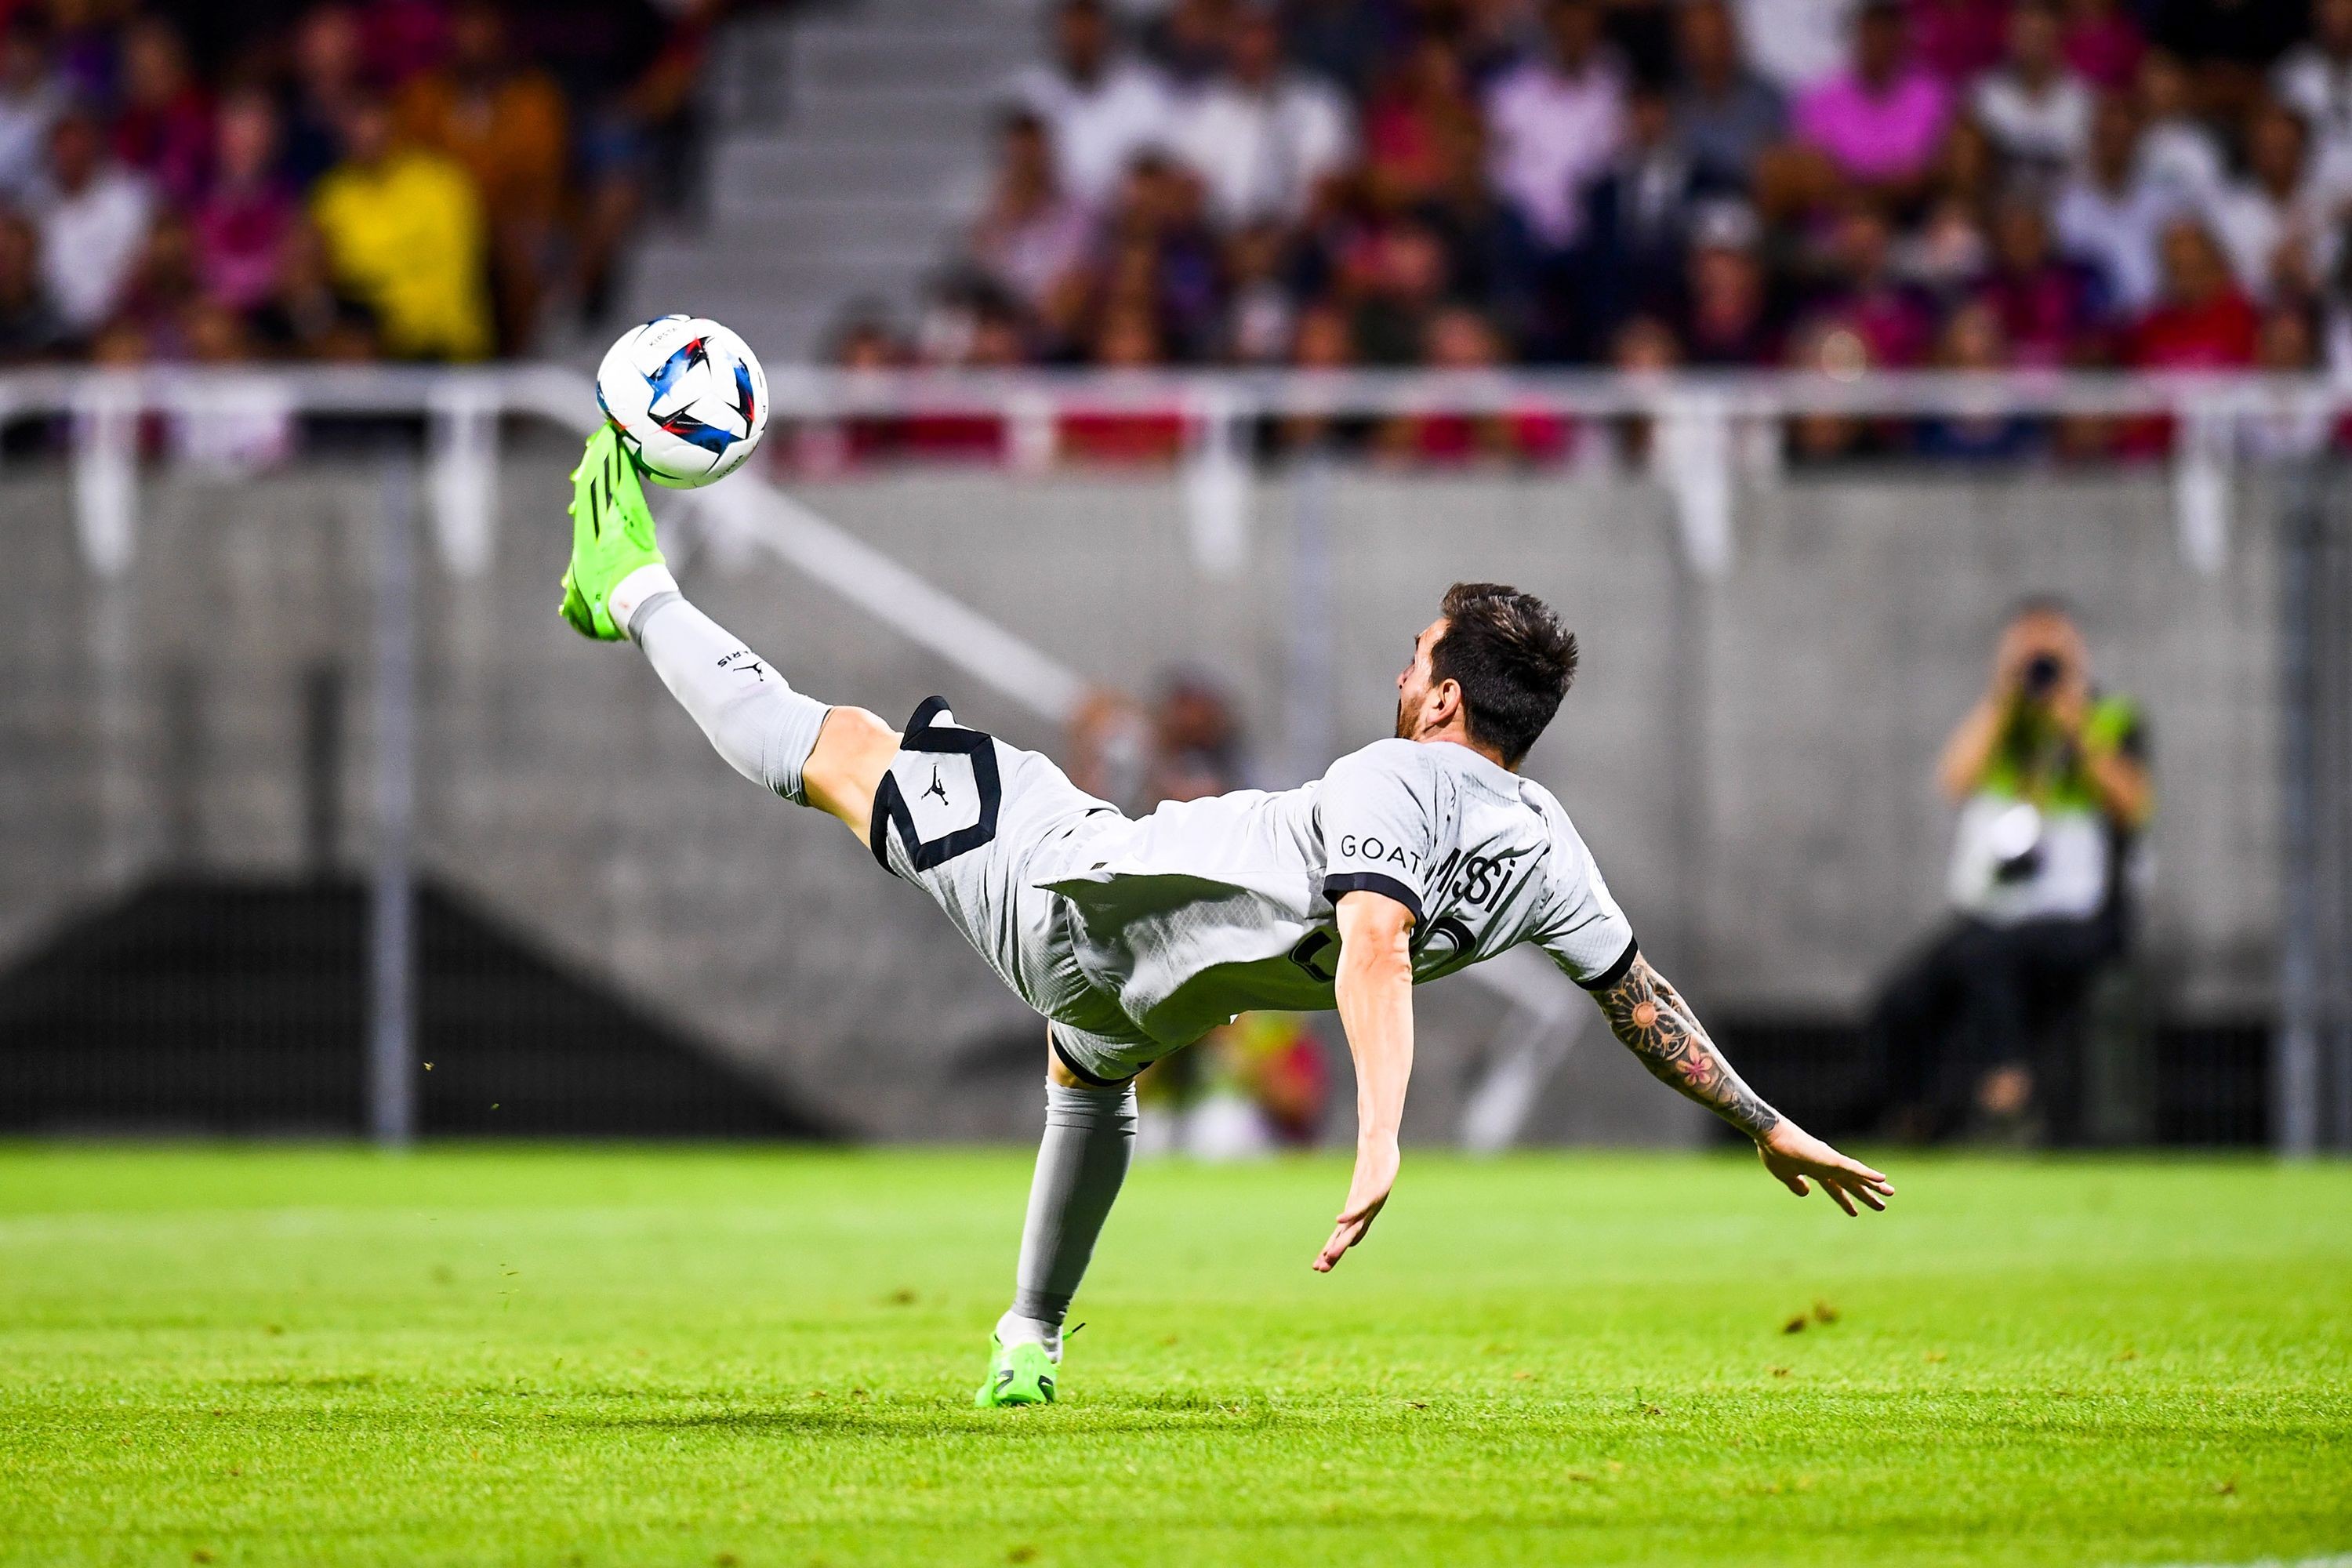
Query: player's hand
{"points": [[1376, 1173], [1796, 1158]]}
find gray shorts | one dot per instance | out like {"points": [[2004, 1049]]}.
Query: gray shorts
{"points": [[978, 825]]}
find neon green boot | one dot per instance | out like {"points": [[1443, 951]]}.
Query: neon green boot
{"points": [[1023, 1375], [612, 535]]}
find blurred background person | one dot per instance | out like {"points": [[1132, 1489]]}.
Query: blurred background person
{"points": [[30, 327], [2180, 154], [31, 98], [1726, 116], [2051, 775], [2102, 42], [2052, 308], [2281, 224], [1975, 338], [405, 232], [504, 123], [2233, 43], [1032, 236], [246, 213], [2201, 320], [1262, 137], [2314, 79], [94, 217], [1554, 122], [327, 75], [163, 126], [308, 314], [2035, 109], [2104, 214], [1100, 109], [1635, 232], [1875, 127], [1795, 43]]}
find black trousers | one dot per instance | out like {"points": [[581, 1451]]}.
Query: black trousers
{"points": [[1971, 999]]}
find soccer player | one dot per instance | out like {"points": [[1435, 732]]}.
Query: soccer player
{"points": [[1410, 859]]}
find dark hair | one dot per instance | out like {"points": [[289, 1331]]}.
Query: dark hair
{"points": [[1512, 658]]}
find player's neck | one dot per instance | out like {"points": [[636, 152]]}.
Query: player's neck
{"points": [[1458, 734]]}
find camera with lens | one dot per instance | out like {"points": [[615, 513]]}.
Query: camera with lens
{"points": [[2041, 675]]}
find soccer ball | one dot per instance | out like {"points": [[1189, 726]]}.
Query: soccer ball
{"points": [[688, 396]]}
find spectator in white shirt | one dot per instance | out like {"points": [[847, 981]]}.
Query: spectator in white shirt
{"points": [[2035, 109], [1797, 44], [2106, 217], [2179, 155], [1262, 138], [94, 220], [30, 99], [1556, 122], [2279, 225], [1101, 110], [2316, 80]]}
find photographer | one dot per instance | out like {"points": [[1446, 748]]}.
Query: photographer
{"points": [[2051, 779]]}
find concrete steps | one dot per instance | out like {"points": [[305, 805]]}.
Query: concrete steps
{"points": [[851, 152]]}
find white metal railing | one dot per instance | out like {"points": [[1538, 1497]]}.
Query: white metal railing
{"points": [[1714, 430]]}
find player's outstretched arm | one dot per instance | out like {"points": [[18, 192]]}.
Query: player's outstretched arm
{"points": [[1658, 1026], [1375, 993]]}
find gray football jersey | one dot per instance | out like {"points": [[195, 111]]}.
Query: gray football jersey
{"points": [[1209, 908]]}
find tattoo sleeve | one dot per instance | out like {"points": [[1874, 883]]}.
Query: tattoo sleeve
{"points": [[1659, 1027]]}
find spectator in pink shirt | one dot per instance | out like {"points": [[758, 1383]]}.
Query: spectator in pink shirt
{"points": [[242, 223], [1880, 122]]}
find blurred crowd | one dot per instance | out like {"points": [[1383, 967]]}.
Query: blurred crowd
{"points": [[1833, 185], [352, 179]]}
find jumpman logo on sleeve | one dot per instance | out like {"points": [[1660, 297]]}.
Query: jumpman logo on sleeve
{"points": [[936, 787]]}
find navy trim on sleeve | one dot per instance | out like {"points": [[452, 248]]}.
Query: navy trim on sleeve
{"points": [[1373, 882], [1615, 971]]}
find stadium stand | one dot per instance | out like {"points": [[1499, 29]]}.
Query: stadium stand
{"points": [[1905, 184], [334, 181], [1971, 184]]}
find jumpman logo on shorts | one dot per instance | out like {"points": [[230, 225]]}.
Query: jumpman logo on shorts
{"points": [[936, 787]]}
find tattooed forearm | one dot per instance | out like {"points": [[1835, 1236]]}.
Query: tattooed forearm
{"points": [[1659, 1027]]}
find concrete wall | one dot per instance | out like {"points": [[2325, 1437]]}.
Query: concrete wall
{"points": [[1749, 757]]}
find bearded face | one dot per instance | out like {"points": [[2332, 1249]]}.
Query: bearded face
{"points": [[1414, 681]]}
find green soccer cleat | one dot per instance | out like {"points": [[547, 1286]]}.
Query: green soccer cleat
{"points": [[1021, 1376], [612, 535]]}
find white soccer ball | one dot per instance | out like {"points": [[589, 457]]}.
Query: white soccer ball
{"points": [[688, 396]]}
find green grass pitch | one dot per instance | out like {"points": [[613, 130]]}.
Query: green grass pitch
{"points": [[720, 1356]]}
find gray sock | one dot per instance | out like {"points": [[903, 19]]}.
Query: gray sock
{"points": [[1089, 1138]]}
